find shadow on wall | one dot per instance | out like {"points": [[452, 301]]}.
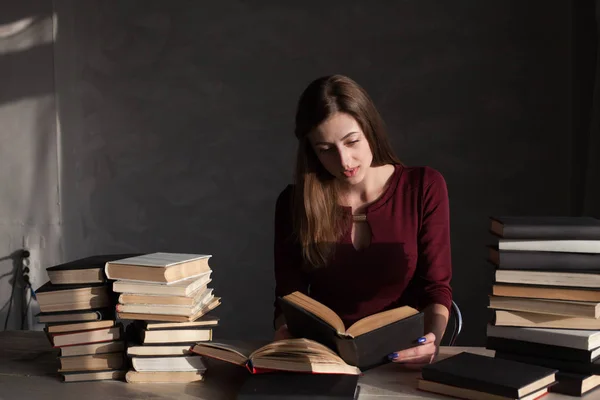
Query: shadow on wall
{"points": [[19, 280]]}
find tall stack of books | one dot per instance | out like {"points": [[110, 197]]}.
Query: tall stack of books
{"points": [[546, 296], [76, 305], [167, 297]]}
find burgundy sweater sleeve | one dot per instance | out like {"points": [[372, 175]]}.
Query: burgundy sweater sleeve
{"points": [[289, 275], [434, 264]]}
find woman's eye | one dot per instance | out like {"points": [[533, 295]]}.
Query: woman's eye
{"points": [[324, 149], [352, 143]]}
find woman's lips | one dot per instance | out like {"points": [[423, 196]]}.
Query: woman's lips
{"points": [[349, 173]]}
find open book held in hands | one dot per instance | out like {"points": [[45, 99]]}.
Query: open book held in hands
{"points": [[365, 344], [288, 355]]}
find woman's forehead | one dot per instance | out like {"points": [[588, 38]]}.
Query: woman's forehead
{"points": [[335, 128]]}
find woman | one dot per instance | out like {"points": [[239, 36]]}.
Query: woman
{"points": [[358, 231]]}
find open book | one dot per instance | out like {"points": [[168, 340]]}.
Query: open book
{"points": [[289, 355], [365, 344]]}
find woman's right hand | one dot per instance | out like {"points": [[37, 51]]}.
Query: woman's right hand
{"points": [[282, 333]]}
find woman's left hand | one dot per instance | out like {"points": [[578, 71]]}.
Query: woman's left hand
{"points": [[418, 356]]}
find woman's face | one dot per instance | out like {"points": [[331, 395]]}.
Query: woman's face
{"points": [[342, 148]]}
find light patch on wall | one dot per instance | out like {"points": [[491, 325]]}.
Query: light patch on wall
{"points": [[27, 33], [14, 28]]}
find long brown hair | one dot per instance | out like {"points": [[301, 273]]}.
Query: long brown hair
{"points": [[318, 220]]}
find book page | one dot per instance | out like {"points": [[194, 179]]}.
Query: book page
{"points": [[379, 320], [317, 309]]}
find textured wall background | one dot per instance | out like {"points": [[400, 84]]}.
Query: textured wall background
{"points": [[177, 123], [29, 198]]}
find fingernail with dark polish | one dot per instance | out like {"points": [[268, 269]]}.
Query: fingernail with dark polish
{"points": [[422, 339], [392, 356]]}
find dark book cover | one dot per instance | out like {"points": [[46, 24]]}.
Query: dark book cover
{"points": [[97, 261], [544, 260], [539, 349], [366, 351], [371, 349], [592, 368], [575, 384], [485, 374], [73, 316], [49, 287], [293, 386], [549, 227]]}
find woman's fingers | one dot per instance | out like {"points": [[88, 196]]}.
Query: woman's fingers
{"points": [[423, 351], [429, 338], [418, 362]]}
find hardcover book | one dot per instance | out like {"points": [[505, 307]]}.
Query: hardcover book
{"points": [[367, 343]]}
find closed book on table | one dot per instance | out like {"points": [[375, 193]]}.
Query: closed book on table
{"points": [[549, 278], [592, 368], [536, 320], [167, 268], [572, 338], [575, 384], [88, 376], [299, 387], [544, 260], [87, 296], [545, 227], [542, 350], [490, 375], [546, 292], [546, 306], [185, 287], [83, 270], [76, 316]]}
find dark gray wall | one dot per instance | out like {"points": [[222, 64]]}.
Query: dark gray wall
{"points": [[177, 119]]}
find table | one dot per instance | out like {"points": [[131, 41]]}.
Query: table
{"points": [[28, 371]]}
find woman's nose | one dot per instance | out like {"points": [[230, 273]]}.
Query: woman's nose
{"points": [[344, 158]]}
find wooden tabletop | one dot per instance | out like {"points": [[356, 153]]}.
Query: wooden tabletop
{"points": [[28, 371]]}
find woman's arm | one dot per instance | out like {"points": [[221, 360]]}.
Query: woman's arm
{"points": [[436, 320], [434, 269], [434, 264]]}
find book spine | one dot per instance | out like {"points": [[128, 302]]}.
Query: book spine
{"points": [[549, 232], [346, 348], [562, 365], [569, 388], [538, 349], [549, 261]]}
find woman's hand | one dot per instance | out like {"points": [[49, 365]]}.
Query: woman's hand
{"points": [[419, 356], [282, 333]]}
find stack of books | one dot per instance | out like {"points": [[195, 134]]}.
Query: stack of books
{"points": [[546, 296], [167, 298], [76, 305]]}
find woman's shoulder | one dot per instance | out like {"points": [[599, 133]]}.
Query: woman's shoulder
{"points": [[421, 176], [283, 205], [285, 196]]}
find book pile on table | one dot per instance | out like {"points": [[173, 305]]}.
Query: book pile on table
{"points": [[76, 305], [546, 296], [167, 298]]}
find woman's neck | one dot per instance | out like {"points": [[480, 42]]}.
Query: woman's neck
{"points": [[370, 189]]}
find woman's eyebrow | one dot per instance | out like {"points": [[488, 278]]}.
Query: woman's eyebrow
{"points": [[344, 138]]}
